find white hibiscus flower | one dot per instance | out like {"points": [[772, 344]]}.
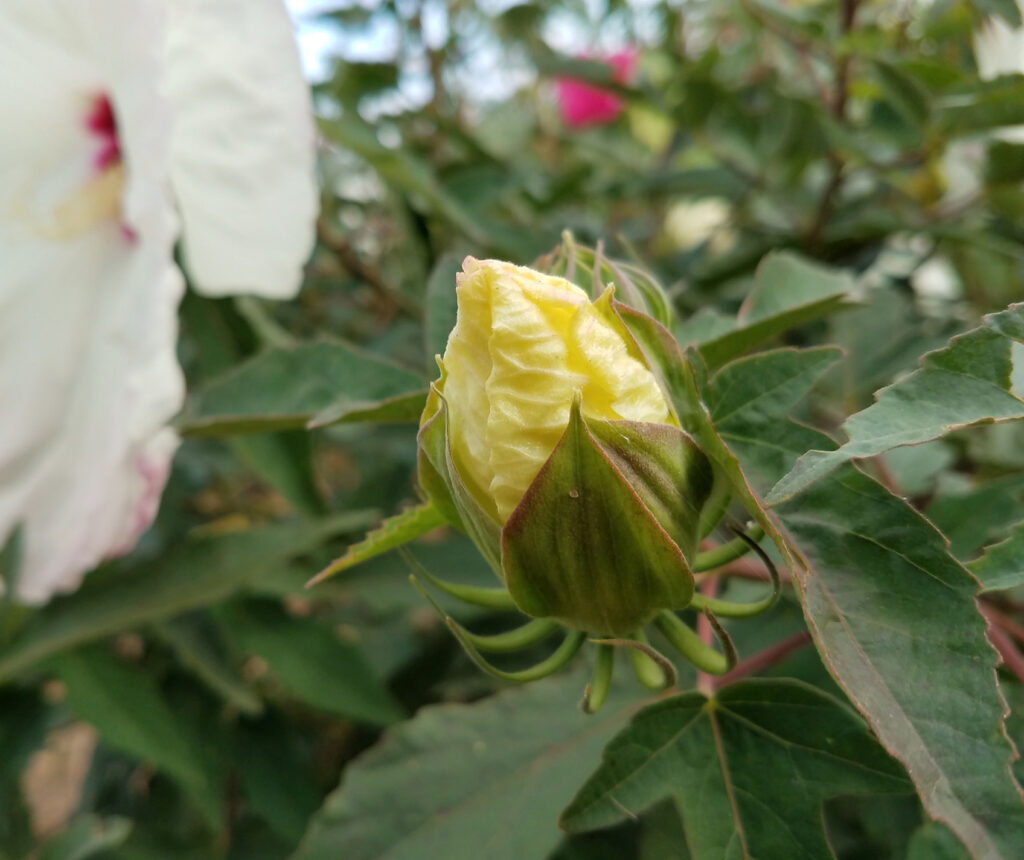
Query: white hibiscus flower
{"points": [[122, 120]]}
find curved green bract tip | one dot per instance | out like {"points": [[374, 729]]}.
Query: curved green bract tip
{"points": [[734, 549], [597, 690], [489, 598], [730, 609], [532, 633], [668, 674], [562, 655], [690, 645], [646, 669]]}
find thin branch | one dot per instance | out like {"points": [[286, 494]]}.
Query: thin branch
{"points": [[348, 258]]}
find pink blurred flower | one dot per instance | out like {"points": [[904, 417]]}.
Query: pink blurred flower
{"points": [[582, 104]]}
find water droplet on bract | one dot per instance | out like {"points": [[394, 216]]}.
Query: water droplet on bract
{"points": [[574, 494]]}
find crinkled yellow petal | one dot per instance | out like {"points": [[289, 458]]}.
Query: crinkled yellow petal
{"points": [[523, 345]]}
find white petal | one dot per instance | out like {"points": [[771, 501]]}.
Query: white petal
{"points": [[88, 376], [243, 146], [89, 381]]}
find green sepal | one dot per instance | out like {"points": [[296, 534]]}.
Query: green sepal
{"points": [[583, 548], [680, 376], [390, 534], [440, 480], [666, 469]]}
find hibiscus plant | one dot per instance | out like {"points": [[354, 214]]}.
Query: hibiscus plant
{"points": [[538, 431]]}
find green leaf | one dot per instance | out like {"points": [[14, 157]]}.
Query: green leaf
{"points": [[749, 769], [934, 841], [275, 776], [789, 292], [286, 387], [894, 617], [1002, 565], [198, 648], [390, 534], [313, 662], [131, 715], [86, 836], [196, 574], [480, 780], [1008, 10], [907, 97], [993, 104], [965, 383], [411, 175]]}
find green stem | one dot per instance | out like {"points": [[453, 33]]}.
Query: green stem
{"points": [[597, 690]]}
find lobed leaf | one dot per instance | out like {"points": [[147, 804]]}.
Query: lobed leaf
{"points": [[965, 383], [749, 769], [893, 615], [480, 780]]}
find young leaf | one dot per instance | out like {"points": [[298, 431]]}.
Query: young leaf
{"points": [[749, 769], [965, 383]]}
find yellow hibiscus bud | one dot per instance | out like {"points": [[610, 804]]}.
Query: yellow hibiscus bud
{"points": [[549, 440], [523, 345]]}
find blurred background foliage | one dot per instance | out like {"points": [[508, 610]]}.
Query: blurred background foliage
{"points": [[195, 700]]}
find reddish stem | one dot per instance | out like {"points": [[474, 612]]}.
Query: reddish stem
{"points": [[767, 657], [705, 683], [1008, 625], [1012, 658]]}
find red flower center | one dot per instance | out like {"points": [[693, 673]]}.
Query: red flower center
{"points": [[101, 122]]}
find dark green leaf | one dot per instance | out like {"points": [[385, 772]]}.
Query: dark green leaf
{"points": [[87, 836], [966, 383], [749, 768], [313, 662], [1002, 565], [910, 100], [882, 594], [198, 647], [993, 105], [131, 715], [287, 386], [481, 780], [194, 575]]}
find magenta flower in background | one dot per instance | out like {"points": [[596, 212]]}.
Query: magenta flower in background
{"points": [[582, 104]]}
